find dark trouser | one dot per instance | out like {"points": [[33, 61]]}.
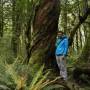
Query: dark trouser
{"points": [[61, 61]]}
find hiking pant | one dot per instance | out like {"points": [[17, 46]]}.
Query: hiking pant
{"points": [[61, 61]]}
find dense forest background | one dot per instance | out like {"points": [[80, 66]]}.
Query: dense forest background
{"points": [[28, 31]]}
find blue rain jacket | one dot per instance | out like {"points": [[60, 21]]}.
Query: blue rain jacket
{"points": [[61, 46]]}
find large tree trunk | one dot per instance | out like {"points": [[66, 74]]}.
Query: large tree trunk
{"points": [[85, 56], [81, 21], [83, 64], [64, 21], [30, 15], [45, 28], [81, 72]]}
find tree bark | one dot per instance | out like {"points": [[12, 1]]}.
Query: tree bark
{"points": [[83, 64], [16, 25], [30, 12], [45, 28], [85, 56], [1, 18], [82, 20], [65, 17]]}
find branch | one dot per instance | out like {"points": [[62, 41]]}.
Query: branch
{"points": [[84, 17]]}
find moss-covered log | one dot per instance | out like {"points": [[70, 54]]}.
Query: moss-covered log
{"points": [[81, 74]]}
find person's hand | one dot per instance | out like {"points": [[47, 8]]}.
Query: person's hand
{"points": [[63, 57]]}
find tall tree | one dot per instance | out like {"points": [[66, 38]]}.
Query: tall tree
{"points": [[83, 65], [85, 56], [1, 18], [65, 16], [30, 15], [45, 28], [81, 20], [16, 24]]}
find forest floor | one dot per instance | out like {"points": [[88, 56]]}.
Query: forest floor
{"points": [[5, 48], [74, 86]]}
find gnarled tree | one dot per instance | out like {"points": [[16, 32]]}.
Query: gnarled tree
{"points": [[45, 28]]}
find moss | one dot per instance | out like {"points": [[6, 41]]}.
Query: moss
{"points": [[37, 60]]}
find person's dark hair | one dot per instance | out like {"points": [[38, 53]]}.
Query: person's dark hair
{"points": [[60, 32]]}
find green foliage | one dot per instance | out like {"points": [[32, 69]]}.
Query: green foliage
{"points": [[41, 81], [15, 76], [52, 87]]}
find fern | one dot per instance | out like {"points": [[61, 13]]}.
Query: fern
{"points": [[50, 87], [36, 77]]}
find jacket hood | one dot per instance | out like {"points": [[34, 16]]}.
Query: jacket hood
{"points": [[63, 37]]}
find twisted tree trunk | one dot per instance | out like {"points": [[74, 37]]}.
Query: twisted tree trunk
{"points": [[45, 28], [81, 21], [85, 56]]}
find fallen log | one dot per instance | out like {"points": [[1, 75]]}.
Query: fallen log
{"points": [[81, 74]]}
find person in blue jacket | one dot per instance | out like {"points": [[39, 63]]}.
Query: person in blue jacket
{"points": [[61, 53]]}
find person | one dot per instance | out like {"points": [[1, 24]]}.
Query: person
{"points": [[61, 53]]}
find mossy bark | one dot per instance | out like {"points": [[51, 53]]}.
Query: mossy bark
{"points": [[1, 18], [83, 64], [85, 56], [45, 28]]}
